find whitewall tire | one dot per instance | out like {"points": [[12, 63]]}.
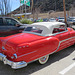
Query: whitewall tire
{"points": [[44, 59]]}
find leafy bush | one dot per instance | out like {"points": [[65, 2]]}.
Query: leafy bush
{"points": [[25, 21]]}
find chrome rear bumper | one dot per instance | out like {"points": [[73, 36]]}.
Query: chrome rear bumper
{"points": [[14, 65]]}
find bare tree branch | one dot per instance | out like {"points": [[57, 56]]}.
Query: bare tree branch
{"points": [[5, 7]]}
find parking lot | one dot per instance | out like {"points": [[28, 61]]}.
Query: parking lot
{"points": [[61, 63]]}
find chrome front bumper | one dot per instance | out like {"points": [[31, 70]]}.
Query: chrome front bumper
{"points": [[14, 65]]}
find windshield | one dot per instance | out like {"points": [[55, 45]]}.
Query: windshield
{"points": [[33, 29]]}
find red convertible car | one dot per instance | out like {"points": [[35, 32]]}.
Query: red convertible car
{"points": [[37, 42]]}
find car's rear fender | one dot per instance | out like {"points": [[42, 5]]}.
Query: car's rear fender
{"points": [[46, 46], [37, 49]]}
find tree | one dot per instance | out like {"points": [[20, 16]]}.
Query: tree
{"points": [[57, 5], [5, 7]]}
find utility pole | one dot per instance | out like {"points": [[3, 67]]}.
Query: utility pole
{"points": [[32, 6], [72, 10], [20, 6], [25, 10], [64, 11], [32, 9]]}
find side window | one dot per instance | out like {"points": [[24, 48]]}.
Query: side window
{"points": [[58, 29], [11, 22], [1, 21]]}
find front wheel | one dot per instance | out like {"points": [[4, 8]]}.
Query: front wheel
{"points": [[44, 59]]}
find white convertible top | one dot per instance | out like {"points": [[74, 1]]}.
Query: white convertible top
{"points": [[47, 27], [48, 24]]}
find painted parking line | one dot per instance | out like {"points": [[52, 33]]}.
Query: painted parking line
{"points": [[67, 69]]}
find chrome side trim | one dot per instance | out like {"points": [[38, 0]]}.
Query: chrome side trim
{"points": [[67, 39], [33, 33], [27, 54]]}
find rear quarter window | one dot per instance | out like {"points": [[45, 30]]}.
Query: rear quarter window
{"points": [[58, 29]]}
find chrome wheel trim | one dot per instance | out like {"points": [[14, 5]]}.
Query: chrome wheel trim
{"points": [[44, 59]]}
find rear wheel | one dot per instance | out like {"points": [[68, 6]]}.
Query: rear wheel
{"points": [[44, 59]]}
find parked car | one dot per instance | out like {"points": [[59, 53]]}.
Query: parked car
{"points": [[39, 20], [52, 20], [71, 20], [10, 26], [37, 42], [45, 20], [60, 19]]}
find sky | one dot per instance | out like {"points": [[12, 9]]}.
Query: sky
{"points": [[15, 4]]}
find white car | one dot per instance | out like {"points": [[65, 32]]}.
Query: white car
{"points": [[61, 19], [52, 20], [71, 20]]}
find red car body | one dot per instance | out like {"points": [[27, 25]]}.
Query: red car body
{"points": [[23, 48]]}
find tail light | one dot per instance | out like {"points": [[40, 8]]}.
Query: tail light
{"points": [[14, 56]]}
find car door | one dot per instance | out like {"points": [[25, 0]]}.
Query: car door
{"points": [[3, 28], [64, 39], [63, 35], [11, 24], [72, 36]]}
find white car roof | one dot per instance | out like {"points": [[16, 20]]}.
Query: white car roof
{"points": [[47, 27]]}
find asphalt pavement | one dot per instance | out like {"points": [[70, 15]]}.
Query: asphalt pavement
{"points": [[60, 63]]}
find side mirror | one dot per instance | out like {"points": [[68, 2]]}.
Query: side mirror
{"points": [[17, 25]]}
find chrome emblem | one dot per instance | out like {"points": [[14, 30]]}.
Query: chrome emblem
{"points": [[3, 48]]}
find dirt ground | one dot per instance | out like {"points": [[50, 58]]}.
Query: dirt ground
{"points": [[54, 14]]}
